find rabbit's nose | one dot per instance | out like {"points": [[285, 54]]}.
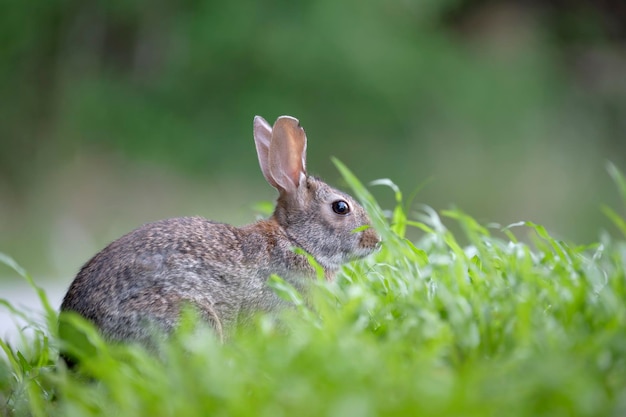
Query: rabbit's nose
{"points": [[370, 239]]}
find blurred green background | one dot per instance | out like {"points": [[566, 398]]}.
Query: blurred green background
{"points": [[114, 113]]}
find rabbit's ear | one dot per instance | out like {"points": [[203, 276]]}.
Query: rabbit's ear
{"points": [[262, 139], [287, 156]]}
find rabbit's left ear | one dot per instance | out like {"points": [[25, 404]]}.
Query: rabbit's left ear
{"points": [[262, 139], [287, 154]]}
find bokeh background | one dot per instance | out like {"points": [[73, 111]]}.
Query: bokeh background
{"points": [[118, 112]]}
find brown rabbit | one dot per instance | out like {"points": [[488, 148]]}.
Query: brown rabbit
{"points": [[139, 282]]}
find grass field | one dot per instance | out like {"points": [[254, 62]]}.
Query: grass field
{"points": [[473, 324]]}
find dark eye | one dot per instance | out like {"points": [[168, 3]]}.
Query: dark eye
{"points": [[341, 207]]}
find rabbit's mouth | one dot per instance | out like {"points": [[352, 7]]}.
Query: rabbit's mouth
{"points": [[335, 261], [366, 251], [363, 251]]}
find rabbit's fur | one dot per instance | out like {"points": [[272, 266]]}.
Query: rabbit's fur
{"points": [[139, 282]]}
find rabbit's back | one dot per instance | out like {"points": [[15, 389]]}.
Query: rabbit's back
{"points": [[143, 279]]}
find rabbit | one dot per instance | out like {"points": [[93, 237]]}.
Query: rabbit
{"points": [[138, 283]]}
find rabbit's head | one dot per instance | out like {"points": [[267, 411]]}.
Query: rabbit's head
{"points": [[327, 223]]}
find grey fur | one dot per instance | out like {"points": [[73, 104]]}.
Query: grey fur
{"points": [[140, 281]]}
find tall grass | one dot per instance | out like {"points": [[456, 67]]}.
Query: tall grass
{"points": [[492, 326]]}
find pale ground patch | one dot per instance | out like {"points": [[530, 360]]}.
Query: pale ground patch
{"points": [[24, 298]]}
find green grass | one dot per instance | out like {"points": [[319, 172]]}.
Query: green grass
{"points": [[475, 324]]}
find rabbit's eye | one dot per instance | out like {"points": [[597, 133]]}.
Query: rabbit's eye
{"points": [[341, 207]]}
